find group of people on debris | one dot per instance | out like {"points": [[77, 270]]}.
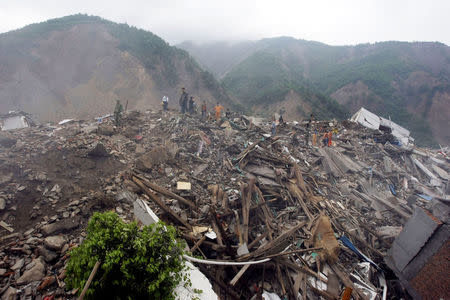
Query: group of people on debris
{"points": [[188, 105], [327, 135]]}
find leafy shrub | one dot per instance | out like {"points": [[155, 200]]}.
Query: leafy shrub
{"points": [[135, 264]]}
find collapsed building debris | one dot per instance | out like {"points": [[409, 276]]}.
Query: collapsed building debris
{"points": [[371, 120], [268, 216], [16, 120]]}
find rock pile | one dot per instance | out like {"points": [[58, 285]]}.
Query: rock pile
{"points": [[320, 218]]}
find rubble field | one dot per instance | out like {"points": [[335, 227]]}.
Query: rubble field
{"points": [[298, 221]]}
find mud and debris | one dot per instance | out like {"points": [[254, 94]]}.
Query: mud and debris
{"points": [[324, 216]]}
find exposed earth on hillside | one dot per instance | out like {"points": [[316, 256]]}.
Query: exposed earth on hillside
{"points": [[410, 82], [78, 66]]}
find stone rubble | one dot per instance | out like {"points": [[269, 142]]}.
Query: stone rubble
{"points": [[259, 193]]}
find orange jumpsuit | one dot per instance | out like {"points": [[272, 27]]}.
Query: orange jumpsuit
{"points": [[218, 110], [330, 135]]}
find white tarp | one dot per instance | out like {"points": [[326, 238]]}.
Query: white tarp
{"points": [[65, 121], [15, 122], [371, 120]]}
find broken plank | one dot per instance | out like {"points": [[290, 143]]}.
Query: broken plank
{"points": [[220, 231], [294, 252], [395, 208], [280, 279], [268, 216], [12, 235], [165, 192], [358, 294], [300, 181], [276, 242], [198, 243], [293, 188], [259, 238], [246, 201], [239, 275], [304, 269], [324, 294], [297, 282], [6, 226], [161, 204]]}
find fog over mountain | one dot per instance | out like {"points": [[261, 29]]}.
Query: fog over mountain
{"points": [[77, 66], [346, 22], [409, 82]]}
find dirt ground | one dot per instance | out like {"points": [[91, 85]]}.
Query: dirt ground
{"points": [[75, 173]]}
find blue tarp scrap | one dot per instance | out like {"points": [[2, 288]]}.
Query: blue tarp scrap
{"points": [[392, 188], [425, 197], [352, 247]]}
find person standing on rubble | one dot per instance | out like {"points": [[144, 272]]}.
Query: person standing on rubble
{"points": [[308, 128], [183, 100], [314, 138], [218, 110], [330, 136], [118, 113], [191, 105], [325, 139], [228, 114], [165, 103], [204, 110], [274, 126]]}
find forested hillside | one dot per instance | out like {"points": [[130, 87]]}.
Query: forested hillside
{"points": [[77, 66], [409, 82]]}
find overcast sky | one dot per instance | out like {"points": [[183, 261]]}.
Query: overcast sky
{"points": [[335, 22]]}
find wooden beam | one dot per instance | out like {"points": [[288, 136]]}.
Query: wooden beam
{"points": [[198, 243], [276, 242], [165, 192], [161, 204], [246, 201], [293, 188], [357, 294], [239, 275], [293, 252]]}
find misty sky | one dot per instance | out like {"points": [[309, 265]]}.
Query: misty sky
{"points": [[334, 22]]}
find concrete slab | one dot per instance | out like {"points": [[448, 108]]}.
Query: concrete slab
{"points": [[442, 173], [328, 165], [413, 237], [143, 213], [387, 164], [343, 162]]}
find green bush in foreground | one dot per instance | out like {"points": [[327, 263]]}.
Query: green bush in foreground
{"points": [[135, 263]]}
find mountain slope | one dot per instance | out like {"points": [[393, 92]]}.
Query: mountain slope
{"points": [[219, 57], [264, 82], [77, 66], [410, 82]]}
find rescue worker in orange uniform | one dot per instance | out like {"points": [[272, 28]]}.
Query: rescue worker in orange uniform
{"points": [[218, 109]]}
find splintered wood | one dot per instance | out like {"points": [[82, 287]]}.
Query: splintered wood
{"points": [[276, 212]]}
